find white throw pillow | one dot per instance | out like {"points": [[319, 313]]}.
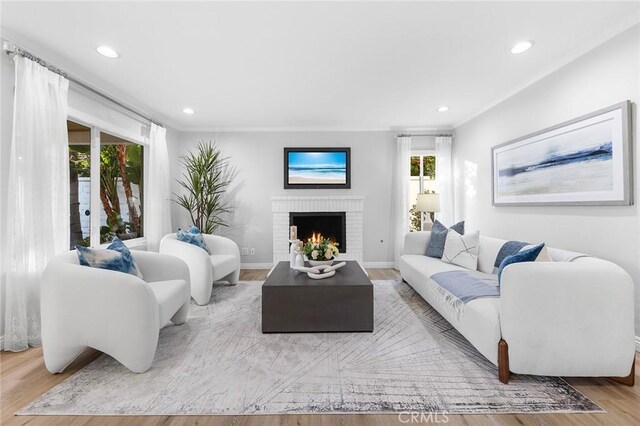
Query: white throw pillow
{"points": [[462, 250]]}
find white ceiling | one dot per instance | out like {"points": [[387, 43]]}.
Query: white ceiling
{"points": [[313, 65]]}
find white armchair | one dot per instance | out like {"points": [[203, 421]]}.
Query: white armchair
{"points": [[113, 312], [205, 268]]}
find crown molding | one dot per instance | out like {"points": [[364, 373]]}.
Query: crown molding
{"points": [[250, 129], [625, 24], [284, 129], [422, 129]]}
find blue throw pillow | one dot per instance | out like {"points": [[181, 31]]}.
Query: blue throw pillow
{"points": [[106, 259], [120, 247], [435, 248], [507, 249], [192, 236], [528, 255]]}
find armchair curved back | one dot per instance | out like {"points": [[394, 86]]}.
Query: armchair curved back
{"points": [[83, 306], [220, 262]]}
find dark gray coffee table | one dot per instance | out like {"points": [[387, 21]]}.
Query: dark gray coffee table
{"points": [[293, 302]]}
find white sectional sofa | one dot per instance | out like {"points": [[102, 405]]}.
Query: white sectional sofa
{"points": [[570, 317]]}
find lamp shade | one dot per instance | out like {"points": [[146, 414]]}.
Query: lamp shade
{"points": [[428, 203]]}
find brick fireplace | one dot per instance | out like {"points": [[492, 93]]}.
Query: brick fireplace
{"points": [[286, 207]]}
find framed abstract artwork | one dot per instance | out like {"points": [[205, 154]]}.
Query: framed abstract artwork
{"points": [[585, 161]]}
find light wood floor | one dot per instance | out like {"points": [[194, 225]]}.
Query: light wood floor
{"points": [[23, 378]]}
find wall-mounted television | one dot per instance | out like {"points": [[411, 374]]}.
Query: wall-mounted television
{"points": [[317, 168]]}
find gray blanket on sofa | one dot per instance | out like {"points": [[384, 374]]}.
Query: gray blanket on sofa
{"points": [[461, 287]]}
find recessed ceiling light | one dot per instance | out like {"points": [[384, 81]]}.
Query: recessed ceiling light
{"points": [[107, 51], [188, 111], [443, 108], [522, 46]]}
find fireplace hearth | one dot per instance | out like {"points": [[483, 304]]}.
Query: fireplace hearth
{"points": [[331, 225]]}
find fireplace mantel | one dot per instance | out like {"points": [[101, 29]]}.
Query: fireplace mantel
{"points": [[281, 206]]}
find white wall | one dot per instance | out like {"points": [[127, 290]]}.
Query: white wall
{"points": [[606, 75], [258, 158], [425, 143]]}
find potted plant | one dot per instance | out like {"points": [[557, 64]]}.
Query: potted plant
{"points": [[205, 181], [320, 251]]}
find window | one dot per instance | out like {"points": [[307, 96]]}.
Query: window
{"points": [[120, 188], [423, 178], [116, 194], [79, 183]]}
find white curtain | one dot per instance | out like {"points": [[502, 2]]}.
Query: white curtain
{"points": [[157, 206], [401, 183], [37, 226], [445, 179]]}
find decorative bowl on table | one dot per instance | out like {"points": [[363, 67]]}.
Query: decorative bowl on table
{"points": [[321, 262]]}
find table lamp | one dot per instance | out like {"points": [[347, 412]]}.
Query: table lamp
{"points": [[429, 203]]}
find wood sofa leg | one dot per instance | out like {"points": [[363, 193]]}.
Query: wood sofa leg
{"points": [[627, 380], [503, 362]]}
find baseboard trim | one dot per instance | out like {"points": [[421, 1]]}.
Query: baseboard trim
{"points": [[256, 265], [637, 344], [377, 265]]}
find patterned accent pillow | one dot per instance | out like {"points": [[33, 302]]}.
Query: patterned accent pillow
{"points": [[105, 259], [528, 255], [192, 236], [462, 250], [439, 236], [120, 247]]}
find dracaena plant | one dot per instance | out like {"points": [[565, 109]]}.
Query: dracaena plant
{"points": [[204, 183]]}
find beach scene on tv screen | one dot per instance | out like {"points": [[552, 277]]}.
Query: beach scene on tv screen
{"points": [[317, 168]]}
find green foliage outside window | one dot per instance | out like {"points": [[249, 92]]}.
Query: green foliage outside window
{"points": [[415, 222], [429, 166], [120, 164]]}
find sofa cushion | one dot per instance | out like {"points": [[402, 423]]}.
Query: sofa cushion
{"points": [[170, 295], [489, 248], [479, 321], [435, 248], [427, 266], [223, 265], [462, 250]]}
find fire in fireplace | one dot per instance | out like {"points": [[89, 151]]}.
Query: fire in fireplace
{"points": [[311, 225]]}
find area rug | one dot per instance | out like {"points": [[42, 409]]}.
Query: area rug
{"points": [[219, 362]]}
